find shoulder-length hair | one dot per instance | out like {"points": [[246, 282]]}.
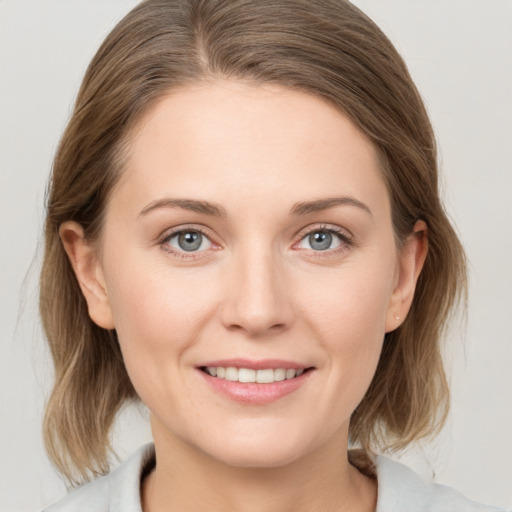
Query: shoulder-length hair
{"points": [[326, 48]]}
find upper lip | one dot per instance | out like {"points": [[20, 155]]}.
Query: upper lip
{"points": [[255, 364]]}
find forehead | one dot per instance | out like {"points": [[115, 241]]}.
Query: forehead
{"points": [[230, 142]]}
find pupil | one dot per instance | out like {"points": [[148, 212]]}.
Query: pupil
{"points": [[321, 240], [190, 240]]}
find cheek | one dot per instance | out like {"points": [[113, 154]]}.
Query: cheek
{"points": [[349, 319], [157, 314], [351, 304]]}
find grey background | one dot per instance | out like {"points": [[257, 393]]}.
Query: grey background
{"points": [[460, 54]]}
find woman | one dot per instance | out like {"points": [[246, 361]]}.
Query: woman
{"points": [[244, 232]]}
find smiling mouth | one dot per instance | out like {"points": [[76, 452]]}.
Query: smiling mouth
{"points": [[248, 375]]}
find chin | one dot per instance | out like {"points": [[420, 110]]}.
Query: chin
{"points": [[261, 450], [259, 458]]}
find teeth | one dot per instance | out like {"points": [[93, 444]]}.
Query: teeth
{"points": [[246, 375], [231, 374], [265, 376], [279, 374], [290, 374]]}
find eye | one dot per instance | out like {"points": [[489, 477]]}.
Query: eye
{"points": [[187, 240], [324, 239]]}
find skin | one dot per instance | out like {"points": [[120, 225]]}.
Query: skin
{"points": [[256, 289]]}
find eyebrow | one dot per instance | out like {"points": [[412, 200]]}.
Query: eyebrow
{"points": [[194, 205], [323, 204], [207, 208]]}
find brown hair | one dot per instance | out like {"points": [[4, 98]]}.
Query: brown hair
{"points": [[323, 47]]}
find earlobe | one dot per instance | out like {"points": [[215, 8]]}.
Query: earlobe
{"points": [[410, 263], [89, 273]]}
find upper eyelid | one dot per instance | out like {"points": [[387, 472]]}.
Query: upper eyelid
{"points": [[324, 227], [170, 232]]}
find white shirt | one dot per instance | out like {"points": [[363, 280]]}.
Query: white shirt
{"points": [[399, 490]]}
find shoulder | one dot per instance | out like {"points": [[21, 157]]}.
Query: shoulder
{"points": [[118, 491], [402, 490]]}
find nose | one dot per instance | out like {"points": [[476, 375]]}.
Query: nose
{"points": [[257, 300]]}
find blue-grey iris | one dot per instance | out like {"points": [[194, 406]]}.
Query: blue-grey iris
{"points": [[320, 240], [190, 240]]}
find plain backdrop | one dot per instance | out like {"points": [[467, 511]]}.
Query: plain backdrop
{"points": [[459, 53]]}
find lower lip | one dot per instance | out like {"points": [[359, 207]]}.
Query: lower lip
{"points": [[254, 393]]}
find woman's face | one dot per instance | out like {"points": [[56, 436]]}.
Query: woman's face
{"points": [[251, 230]]}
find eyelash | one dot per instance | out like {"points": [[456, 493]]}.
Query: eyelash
{"points": [[344, 237]]}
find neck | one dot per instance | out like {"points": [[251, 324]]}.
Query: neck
{"points": [[185, 479]]}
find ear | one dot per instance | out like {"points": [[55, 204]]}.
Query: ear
{"points": [[410, 262], [89, 273]]}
